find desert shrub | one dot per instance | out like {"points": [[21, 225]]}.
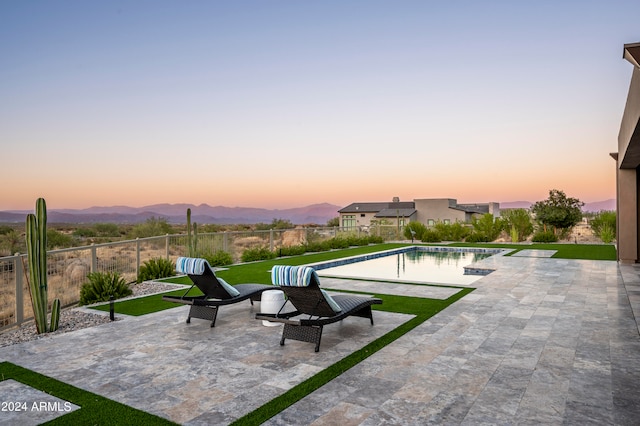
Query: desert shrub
{"points": [[101, 286], [152, 227], [56, 239], [275, 224], [85, 233], [513, 233], [477, 237], [417, 228], [11, 242], [518, 223], [607, 234], [430, 236], [341, 243], [354, 240], [373, 239], [544, 237], [153, 269], [107, 229], [292, 251], [603, 225], [219, 258], [452, 231], [318, 246], [486, 228], [260, 253], [338, 243]]}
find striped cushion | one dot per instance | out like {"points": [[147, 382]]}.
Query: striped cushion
{"points": [[295, 276], [191, 266], [299, 276]]}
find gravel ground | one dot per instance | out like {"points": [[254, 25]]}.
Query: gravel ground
{"points": [[72, 319]]}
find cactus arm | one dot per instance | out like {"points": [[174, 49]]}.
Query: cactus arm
{"points": [[55, 315], [195, 240], [189, 246], [39, 308], [41, 215]]}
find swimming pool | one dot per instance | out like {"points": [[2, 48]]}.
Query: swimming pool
{"points": [[438, 265]]}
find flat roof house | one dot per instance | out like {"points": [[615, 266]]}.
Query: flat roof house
{"points": [[428, 211], [363, 214], [627, 164]]}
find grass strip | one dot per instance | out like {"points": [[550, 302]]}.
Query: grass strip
{"points": [[94, 409], [147, 304]]}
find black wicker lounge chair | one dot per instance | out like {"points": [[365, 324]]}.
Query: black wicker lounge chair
{"points": [[302, 288], [216, 292]]}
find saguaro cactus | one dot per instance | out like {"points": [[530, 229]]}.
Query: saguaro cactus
{"points": [[192, 243], [36, 225]]}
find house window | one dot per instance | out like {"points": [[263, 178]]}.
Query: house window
{"points": [[362, 215], [349, 221], [447, 221], [431, 222], [401, 222]]}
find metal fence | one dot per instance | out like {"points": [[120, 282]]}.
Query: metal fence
{"points": [[68, 268]]}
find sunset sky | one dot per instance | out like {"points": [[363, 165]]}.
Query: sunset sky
{"points": [[280, 104]]}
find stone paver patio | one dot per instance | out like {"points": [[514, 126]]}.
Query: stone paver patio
{"points": [[540, 341]]}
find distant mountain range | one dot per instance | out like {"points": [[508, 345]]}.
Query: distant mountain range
{"points": [[177, 213]]}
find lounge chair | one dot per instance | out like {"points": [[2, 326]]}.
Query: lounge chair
{"points": [[301, 286], [216, 292]]}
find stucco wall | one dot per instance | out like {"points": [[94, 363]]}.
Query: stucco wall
{"points": [[437, 210], [628, 164], [627, 219], [629, 126]]}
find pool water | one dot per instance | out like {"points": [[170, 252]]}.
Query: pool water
{"points": [[438, 267]]}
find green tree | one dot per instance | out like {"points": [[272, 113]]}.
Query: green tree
{"points": [[335, 222], [518, 223], [558, 211]]}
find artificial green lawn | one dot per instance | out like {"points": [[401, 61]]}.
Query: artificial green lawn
{"points": [[258, 272], [94, 409]]}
